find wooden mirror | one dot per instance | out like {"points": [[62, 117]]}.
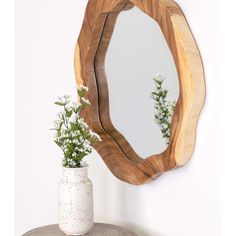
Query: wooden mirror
{"points": [[94, 53]]}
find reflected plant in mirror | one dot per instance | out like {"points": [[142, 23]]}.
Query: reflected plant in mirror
{"points": [[164, 108]]}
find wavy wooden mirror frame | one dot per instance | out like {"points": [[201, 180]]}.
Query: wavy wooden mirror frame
{"points": [[99, 22]]}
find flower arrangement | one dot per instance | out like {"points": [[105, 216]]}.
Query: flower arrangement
{"points": [[164, 109], [73, 135]]}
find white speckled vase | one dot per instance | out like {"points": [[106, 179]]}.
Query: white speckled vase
{"points": [[75, 202]]}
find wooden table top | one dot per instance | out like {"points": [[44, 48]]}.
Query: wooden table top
{"points": [[99, 229]]}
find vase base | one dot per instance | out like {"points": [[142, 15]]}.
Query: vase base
{"points": [[76, 234]]}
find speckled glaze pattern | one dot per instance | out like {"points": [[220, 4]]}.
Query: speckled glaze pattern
{"points": [[75, 202]]}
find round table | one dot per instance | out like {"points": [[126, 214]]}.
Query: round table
{"points": [[99, 229]]}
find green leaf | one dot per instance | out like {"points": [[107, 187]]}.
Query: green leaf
{"points": [[58, 143], [82, 107], [164, 93], [73, 126], [53, 129], [59, 103], [68, 113], [81, 92]]}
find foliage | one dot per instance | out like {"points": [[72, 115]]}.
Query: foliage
{"points": [[73, 135], [164, 109]]}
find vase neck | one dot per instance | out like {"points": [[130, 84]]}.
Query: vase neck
{"points": [[75, 174]]}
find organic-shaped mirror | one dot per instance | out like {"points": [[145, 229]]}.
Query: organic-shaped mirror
{"points": [[127, 151], [134, 57]]}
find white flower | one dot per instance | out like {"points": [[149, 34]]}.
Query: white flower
{"points": [[166, 140], [74, 118], [159, 115], [86, 143], [80, 121], [78, 132], [95, 135], [61, 113], [83, 163], [82, 87], [68, 108], [76, 105], [85, 101], [76, 142], [81, 139], [65, 99], [57, 123], [83, 124], [64, 162]]}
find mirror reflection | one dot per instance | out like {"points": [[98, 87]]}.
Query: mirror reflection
{"points": [[142, 82]]}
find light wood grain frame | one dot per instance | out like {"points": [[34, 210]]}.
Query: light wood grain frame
{"points": [[99, 22]]}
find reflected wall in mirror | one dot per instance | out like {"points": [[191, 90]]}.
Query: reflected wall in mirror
{"points": [[122, 45], [137, 53]]}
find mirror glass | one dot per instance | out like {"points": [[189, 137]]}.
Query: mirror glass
{"points": [[137, 53]]}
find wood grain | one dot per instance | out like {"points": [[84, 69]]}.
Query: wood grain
{"points": [[98, 230], [99, 22]]}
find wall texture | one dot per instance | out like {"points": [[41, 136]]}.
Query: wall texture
{"points": [[183, 202]]}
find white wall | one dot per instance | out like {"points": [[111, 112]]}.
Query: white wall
{"points": [[183, 202]]}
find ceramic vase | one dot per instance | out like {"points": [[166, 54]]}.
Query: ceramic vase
{"points": [[75, 201]]}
